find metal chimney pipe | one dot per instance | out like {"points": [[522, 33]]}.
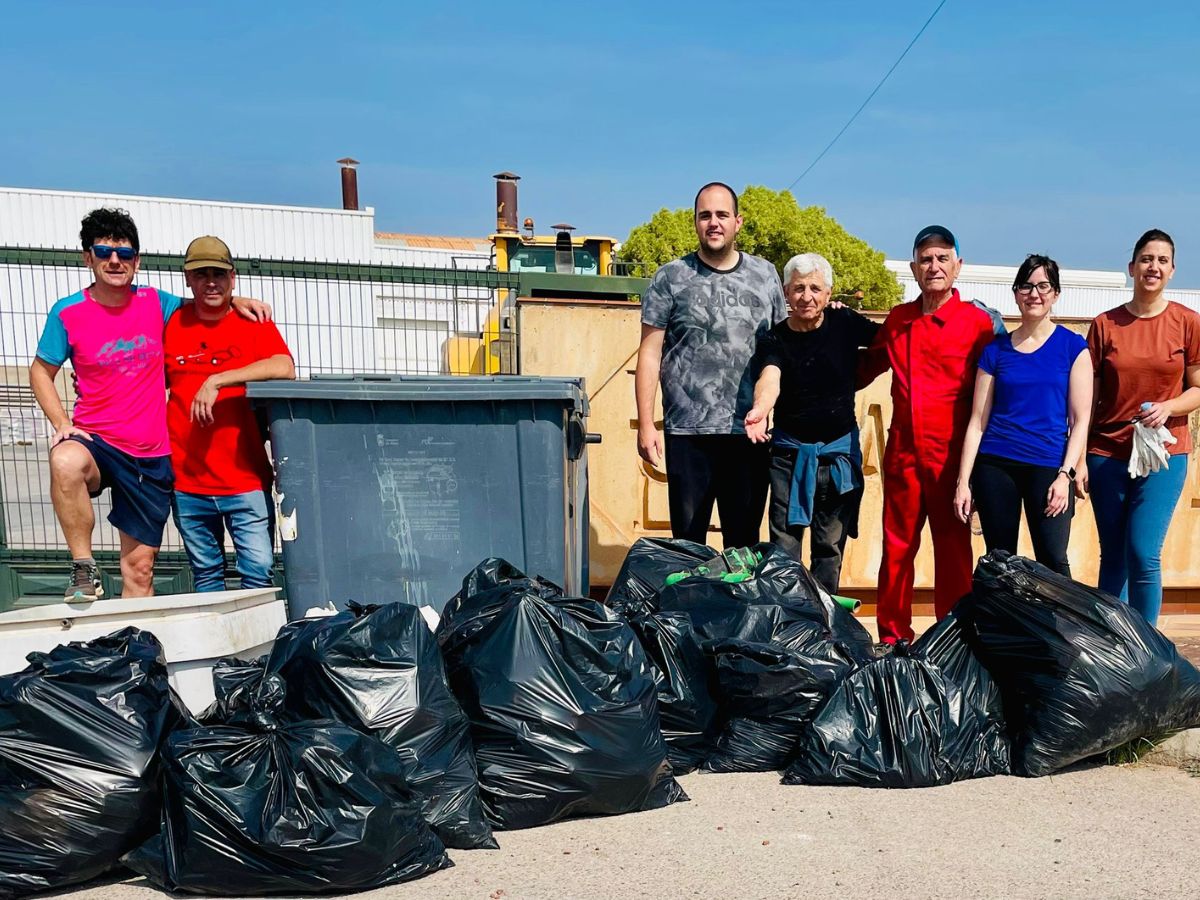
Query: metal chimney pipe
{"points": [[506, 202], [349, 183]]}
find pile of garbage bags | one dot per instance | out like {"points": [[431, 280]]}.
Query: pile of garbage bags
{"points": [[685, 685], [1031, 672], [80, 733], [561, 700], [270, 805], [1081, 672], [916, 717], [773, 647], [368, 742], [378, 669]]}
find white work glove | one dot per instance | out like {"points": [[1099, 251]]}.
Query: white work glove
{"points": [[1149, 452]]}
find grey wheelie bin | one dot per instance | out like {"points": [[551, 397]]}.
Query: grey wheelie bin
{"points": [[393, 487]]}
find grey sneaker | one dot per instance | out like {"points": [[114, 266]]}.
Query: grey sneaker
{"points": [[85, 582]]}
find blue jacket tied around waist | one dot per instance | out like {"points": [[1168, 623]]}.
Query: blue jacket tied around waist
{"points": [[844, 458]]}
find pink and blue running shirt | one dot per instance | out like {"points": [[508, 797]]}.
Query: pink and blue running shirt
{"points": [[117, 354]]}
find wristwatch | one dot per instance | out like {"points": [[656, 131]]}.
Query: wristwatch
{"points": [[1070, 473]]}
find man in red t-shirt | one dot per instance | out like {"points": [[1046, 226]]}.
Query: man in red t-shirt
{"points": [[222, 474]]}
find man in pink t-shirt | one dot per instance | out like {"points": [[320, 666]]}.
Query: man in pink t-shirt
{"points": [[112, 332]]}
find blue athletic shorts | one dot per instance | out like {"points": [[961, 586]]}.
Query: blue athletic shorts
{"points": [[141, 489]]}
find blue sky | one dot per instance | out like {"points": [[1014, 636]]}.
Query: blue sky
{"points": [[1067, 128]]}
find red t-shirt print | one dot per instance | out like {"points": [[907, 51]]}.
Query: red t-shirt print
{"points": [[228, 456]]}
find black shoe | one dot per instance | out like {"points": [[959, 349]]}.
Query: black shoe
{"points": [[85, 583]]}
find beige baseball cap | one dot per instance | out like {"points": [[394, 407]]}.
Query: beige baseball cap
{"points": [[208, 252]]}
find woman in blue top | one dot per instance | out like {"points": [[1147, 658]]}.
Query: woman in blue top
{"points": [[1029, 425]]}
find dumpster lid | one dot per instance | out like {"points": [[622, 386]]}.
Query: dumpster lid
{"points": [[440, 388]]}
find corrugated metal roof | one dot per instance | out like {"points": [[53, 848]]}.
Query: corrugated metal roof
{"points": [[438, 259], [40, 218], [433, 241], [1085, 293]]}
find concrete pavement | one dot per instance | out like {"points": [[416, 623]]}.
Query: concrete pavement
{"points": [[1090, 832]]}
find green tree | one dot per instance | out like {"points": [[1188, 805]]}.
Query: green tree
{"points": [[776, 228]]}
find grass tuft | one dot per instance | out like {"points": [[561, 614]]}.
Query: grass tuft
{"points": [[1137, 749]]}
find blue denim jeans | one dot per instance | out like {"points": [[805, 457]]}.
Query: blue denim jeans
{"points": [[1132, 516], [250, 518]]}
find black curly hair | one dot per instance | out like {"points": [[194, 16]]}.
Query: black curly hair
{"points": [[108, 223]]}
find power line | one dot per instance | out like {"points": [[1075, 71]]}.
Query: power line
{"points": [[863, 106]]}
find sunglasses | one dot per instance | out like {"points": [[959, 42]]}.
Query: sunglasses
{"points": [[103, 251]]}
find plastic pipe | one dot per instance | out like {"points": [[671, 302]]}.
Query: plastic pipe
{"points": [[848, 603]]}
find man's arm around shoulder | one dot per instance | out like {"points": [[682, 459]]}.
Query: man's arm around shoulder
{"points": [[874, 360], [995, 320]]}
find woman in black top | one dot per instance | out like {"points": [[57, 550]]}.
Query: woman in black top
{"points": [[807, 364]]}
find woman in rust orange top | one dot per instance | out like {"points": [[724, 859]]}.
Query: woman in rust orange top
{"points": [[1146, 354]]}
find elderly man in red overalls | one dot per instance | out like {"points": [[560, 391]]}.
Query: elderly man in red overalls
{"points": [[932, 345]]}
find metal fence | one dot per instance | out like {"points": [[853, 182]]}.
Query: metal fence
{"points": [[335, 318]]}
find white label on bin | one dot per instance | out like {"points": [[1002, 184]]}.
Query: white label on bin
{"points": [[287, 524]]}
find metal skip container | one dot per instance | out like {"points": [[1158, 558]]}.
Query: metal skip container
{"points": [[393, 487]]}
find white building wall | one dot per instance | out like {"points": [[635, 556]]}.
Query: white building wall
{"points": [[36, 218], [331, 325]]}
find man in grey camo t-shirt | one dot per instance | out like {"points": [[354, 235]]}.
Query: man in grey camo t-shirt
{"points": [[701, 319]]}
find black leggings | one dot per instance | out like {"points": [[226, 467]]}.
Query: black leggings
{"points": [[725, 468], [1000, 486]]}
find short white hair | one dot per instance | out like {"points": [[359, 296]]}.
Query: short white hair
{"points": [[804, 263]]}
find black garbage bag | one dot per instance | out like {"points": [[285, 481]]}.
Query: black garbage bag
{"points": [[685, 682], [379, 669], [1080, 671], [685, 676], [718, 606], [561, 700], [80, 732], [948, 646], [780, 646], [647, 566], [910, 719], [266, 806], [234, 681], [770, 691]]}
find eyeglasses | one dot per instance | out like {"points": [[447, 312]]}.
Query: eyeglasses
{"points": [[1042, 287], [103, 251]]}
